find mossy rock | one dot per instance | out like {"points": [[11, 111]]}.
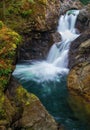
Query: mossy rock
{"points": [[22, 13], [9, 40], [26, 15], [23, 97]]}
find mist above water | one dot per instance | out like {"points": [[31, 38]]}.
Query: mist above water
{"points": [[56, 63]]}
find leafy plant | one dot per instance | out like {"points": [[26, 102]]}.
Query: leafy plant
{"points": [[5, 71]]}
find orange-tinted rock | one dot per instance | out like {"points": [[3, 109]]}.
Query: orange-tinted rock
{"points": [[79, 80]]}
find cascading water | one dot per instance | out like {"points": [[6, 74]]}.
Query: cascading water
{"points": [[57, 60], [47, 79]]}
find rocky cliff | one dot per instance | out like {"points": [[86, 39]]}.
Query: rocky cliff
{"points": [[79, 64]]}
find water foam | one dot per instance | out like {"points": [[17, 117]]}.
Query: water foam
{"points": [[57, 61]]}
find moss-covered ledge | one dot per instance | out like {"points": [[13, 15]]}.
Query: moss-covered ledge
{"points": [[18, 108], [9, 41]]}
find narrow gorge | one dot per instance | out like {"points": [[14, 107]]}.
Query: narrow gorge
{"points": [[48, 78], [45, 65]]}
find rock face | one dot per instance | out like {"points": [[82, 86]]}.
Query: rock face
{"points": [[84, 18], [38, 45], [18, 108], [79, 50], [25, 15], [79, 76], [9, 40], [70, 4]]}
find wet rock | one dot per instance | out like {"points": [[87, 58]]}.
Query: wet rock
{"points": [[38, 46], [68, 5], [55, 37], [79, 80], [83, 20], [79, 50]]}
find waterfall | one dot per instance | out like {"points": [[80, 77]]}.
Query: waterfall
{"points": [[57, 60]]}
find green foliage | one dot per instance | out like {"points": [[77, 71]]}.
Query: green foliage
{"points": [[3, 83], [26, 13], [14, 8], [2, 114], [6, 71], [9, 41], [31, 1], [1, 24], [85, 1]]}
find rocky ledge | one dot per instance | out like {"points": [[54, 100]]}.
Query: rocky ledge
{"points": [[79, 64]]}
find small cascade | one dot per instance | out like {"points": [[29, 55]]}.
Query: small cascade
{"points": [[57, 61], [47, 79]]}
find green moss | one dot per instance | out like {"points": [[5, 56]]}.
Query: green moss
{"points": [[24, 97], [85, 1], [1, 24], [26, 13], [2, 111], [22, 15], [9, 41]]}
